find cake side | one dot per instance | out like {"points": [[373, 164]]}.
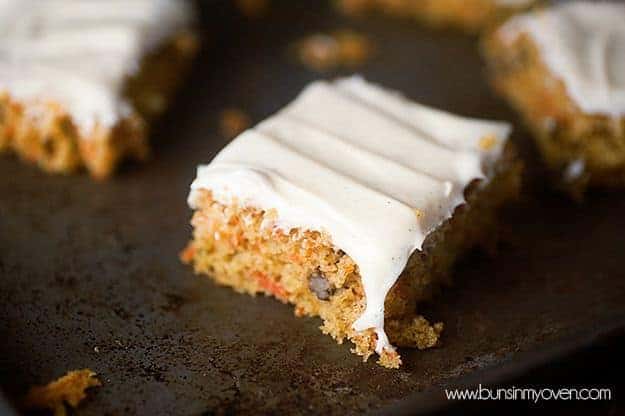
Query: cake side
{"points": [[581, 146], [237, 246], [468, 15]]}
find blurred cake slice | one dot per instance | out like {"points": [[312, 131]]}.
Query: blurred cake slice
{"points": [[351, 203], [563, 69], [80, 79], [468, 15]]}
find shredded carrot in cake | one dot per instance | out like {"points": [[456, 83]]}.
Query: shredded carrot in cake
{"points": [[272, 287]]}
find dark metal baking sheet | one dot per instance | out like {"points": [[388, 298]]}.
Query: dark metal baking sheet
{"points": [[89, 275]]}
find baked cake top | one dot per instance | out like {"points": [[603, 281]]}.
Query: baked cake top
{"points": [[583, 44], [373, 170], [78, 53]]}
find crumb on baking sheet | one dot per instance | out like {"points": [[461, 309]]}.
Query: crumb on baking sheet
{"points": [[327, 51], [232, 122], [69, 389], [252, 8]]}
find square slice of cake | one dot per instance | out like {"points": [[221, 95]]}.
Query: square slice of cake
{"points": [[563, 70], [351, 203], [468, 15], [80, 79]]}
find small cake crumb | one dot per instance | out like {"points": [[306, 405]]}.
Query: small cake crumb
{"points": [[389, 358], [414, 332], [252, 8], [232, 122], [69, 389], [324, 52]]}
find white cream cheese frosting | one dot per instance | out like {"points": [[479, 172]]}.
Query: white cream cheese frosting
{"points": [[79, 52], [375, 171], [583, 44]]}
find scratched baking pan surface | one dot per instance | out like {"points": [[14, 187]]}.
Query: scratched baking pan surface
{"points": [[89, 274]]}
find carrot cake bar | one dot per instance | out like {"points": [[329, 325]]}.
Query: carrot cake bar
{"points": [[351, 203], [468, 15], [563, 69], [79, 79]]}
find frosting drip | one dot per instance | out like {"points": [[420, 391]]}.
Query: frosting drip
{"points": [[80, 52], [375, 171], [583, 44]]}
